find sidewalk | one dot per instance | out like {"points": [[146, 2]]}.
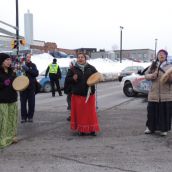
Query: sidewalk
{"points": [[48, 145]]}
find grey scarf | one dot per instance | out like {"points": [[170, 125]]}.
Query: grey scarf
{"points": [[81, 66]]}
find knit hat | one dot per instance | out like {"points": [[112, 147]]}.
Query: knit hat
{"points": [[162, 50], [3, 56]]}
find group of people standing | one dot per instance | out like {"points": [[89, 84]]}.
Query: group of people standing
{"points": [[83, 115], [8, 98]]}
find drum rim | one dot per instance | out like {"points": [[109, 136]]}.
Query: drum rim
{"points": [[99, 75], [21, 88]]}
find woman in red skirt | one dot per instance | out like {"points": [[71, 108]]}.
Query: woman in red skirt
{"points": [[83, 113]]}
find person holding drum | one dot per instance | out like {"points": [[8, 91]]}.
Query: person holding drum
{"points": [[159, 108], [8, 102], [27, 96], [83, 113]]}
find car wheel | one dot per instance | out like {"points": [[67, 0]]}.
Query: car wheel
{"points": [[128, 90], [47, 87]]}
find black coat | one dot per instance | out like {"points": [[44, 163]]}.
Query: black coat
{"points": [[32, 73], [67, 85], [7, 93], [80, 86]]}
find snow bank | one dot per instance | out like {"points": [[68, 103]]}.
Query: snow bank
{"points": [[107, 67]]}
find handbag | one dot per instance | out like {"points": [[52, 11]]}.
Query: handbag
{"points": [[37, 87]]}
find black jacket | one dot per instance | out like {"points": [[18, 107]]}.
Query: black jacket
{"points": [[67, 85], [80, 86], [7, 93], [32, 73]]}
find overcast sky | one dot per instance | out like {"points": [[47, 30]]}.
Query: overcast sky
{"points": [[96, 23]]}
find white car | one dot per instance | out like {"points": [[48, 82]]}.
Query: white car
{"points": [[135, 83]]}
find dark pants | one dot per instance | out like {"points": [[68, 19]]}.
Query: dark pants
{"points": [[68, 99], [53, 82], [27, 110], [159, 116]]}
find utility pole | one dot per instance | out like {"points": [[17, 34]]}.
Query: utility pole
{"points": [[17, 28], [121, 27]]}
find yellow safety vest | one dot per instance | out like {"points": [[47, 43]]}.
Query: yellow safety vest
{"points": [[53, 68]]}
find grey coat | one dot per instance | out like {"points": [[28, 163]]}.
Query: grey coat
{"points": [[160, 92]]}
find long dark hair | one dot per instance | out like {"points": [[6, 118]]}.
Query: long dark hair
{"points": [[154, 65]]}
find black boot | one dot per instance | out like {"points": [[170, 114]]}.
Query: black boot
{"points": [[93, 134], [81, 134]]}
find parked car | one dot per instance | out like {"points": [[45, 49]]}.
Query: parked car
{"points": [[135, 83], [128, 71], [45, 81]]}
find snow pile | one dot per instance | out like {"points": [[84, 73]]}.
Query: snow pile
{"points": [[109, 68]]}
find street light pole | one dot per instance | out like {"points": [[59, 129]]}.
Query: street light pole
{"points": [[17, 28], [121, 43], [155, 46]]}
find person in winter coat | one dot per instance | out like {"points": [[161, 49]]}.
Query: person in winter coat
{"points": [[55, 74], [68, 91], [27, 97], [8, 103], [159, 108], [83, 114]]}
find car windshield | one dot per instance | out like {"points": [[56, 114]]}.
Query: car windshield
{"points": [[142, 71], [132, 68]]}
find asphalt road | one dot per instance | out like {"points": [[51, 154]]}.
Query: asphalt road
{"points": [[109, 94], [48, 145]]}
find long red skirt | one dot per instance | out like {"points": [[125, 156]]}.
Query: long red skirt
{"points": [[83, 115]]}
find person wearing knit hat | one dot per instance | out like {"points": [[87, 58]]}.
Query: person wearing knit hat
{"points": [[164, 51], [3, 56], [8, 103], [159, 108]]}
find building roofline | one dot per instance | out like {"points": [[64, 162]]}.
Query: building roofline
{"points": [[135, 49]]}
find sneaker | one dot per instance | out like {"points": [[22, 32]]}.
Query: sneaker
{"points": [[61, 94], [163, 133], [23, 120], [15, 140], [30, 120], [147, 131]]}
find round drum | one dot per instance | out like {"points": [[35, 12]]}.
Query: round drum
{"points": [[166, 76], [20, 83], [94, 79]]}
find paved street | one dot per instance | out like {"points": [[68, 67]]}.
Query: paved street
{"points": [[48, 145]]}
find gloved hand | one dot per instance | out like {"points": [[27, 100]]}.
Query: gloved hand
{"points": [[7, 82], [25, 68]]}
